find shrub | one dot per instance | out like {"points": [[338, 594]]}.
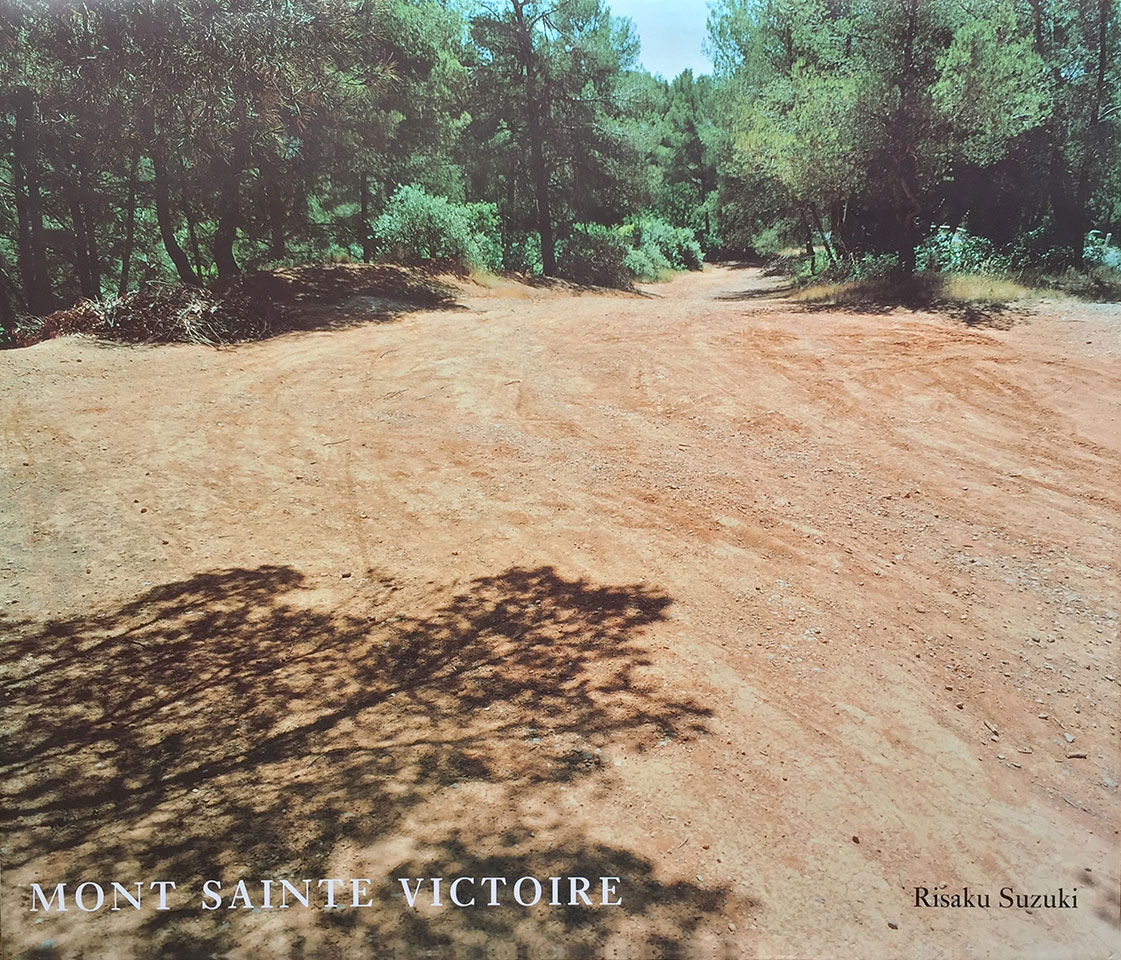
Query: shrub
{"points": [[958, 251], [873, 266], [595, 254], [646, 248], [417, 227], [523, 254], [1099, 252], [645, 262], [676, 245], [486, 228]]}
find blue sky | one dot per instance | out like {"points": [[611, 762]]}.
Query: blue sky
{"points": [[671, 32]]}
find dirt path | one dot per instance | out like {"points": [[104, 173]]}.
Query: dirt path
{"points": [[776, 614]]}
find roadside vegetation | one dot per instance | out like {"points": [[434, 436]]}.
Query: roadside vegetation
{"points": [[192, 141]]}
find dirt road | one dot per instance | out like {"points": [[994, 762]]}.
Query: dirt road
{"points": [[774, 613]]}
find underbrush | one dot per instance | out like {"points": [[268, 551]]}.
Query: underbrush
{"points": [[418, 228], [923, 290], [250, 307], [158, 314], [956, 266], [646, 249]]}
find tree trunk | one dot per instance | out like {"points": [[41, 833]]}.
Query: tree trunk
{"points": [[11, 304], [226, 232], [192, 235], [229, 202], [163, 216], [809, 241], [25, 149], [24, 257], [364, 217], [89, 233], [130, 228], [821, 232], [1070, 220], [908, 240], [81, 252], [536, 140], [275, 200]]}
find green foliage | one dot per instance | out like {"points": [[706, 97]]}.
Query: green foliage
{"points": [[871, 267], [1099, 252], [866, 120], [646, 263], [958, 251], [666, 247], [522, 254], [596, 254], [196, 138], [645, 248], [417, 227], [1036, 251]]}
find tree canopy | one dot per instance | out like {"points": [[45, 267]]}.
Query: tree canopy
{"points": [[193, 139]]}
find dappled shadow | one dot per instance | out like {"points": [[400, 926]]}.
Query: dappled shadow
{"points": [[920, 294], [226, 725], [341, 295], [992, 316], [250, 307], [565, 285], [741, 261], [338, 282], [756, 293]]}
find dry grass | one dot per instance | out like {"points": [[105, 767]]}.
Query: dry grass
{"points": [[974, 288], [921, 290]]}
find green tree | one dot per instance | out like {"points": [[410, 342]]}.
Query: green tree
{"points": [[861, 104]]}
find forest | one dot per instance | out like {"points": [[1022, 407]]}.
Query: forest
{"points": [[189, 141]]}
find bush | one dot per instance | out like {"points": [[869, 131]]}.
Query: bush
{"points": [[958, 251], [595, 254], [676, 245], [646, 262], [1099, 252], [646, 248], [482, 218], [873, 266], [417, 227], [523, 254]]}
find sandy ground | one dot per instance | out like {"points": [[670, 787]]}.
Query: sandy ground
{"points": [[774, 613]]}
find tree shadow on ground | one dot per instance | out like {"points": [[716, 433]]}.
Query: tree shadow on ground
{"points": [[341, 295], [921, 292], [254, 306], [229, 726], [983, 315], [759, 293]]}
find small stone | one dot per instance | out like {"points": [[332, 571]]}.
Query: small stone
{"points": [[1068, 738], [732, 927], [346, 576], [960, 705], [1000, 756], [1076, 755], [1042, 716], [893, 925]]}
